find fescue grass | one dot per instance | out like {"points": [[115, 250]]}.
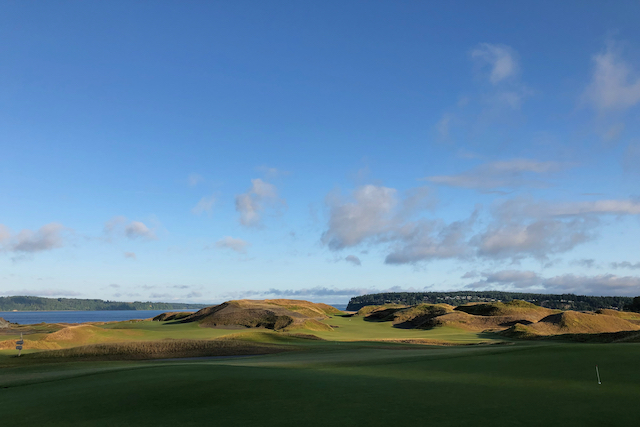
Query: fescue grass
{"points": [[143, 350]]}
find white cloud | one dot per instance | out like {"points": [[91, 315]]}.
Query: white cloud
{"points": [[353, 260], [47, 237], [500, 58], [614, 85], [316, 292], [237, 245], [251, 204], [137, 229], [130, 255], [375, 215], [566, 209], [433, 241], [41, 293], [131, 229], [501, 175], [537, 238], [204, 205], [522, 228], [369, 214]]}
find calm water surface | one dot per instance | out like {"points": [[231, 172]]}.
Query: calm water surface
{"points": [[30, 317]]}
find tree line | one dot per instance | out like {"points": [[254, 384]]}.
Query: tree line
{"points": [[29, 303], [554, 301]]}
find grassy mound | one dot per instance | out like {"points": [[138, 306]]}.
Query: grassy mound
{"points": [[140, 350], [369, 309], [172, 315], [627, 315], [309, 309], [504, 309], [233, 313], [572, 322], [519, 331], [270, 314], [419, 316]]}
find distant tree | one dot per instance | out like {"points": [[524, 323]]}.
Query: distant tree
{"points": [[634, 306]]}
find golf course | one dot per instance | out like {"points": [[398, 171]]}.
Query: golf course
{"points": [[356, 371]]}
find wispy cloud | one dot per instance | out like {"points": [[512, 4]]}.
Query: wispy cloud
{"points": [[130, 255], [130, 229], [585, 262], [47, 237], [376, 215], [41, 292], [627, 265], [501, 60], [195, 179], [251, 205], [205, 205], [604, 284], [352, 259], [137, 229], [504, 175], [315, 292], [237, 245], [614, 85]]}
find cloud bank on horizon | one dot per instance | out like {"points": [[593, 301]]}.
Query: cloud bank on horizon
{"points": [[265, 159]]}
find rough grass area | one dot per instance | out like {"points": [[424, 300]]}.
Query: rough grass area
{"points": [[160, 350], [504, 309], [368, 309], [172, 315]]}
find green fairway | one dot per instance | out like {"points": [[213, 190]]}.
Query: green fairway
{"points": [[357, 328], [338, 384]]}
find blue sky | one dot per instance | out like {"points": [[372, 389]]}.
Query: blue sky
{"points": [[204, 151]]}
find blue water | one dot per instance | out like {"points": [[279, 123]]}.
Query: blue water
{"points": [[30, 317]]}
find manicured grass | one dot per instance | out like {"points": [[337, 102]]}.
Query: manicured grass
{"points": [[526, 384], [357, 328]]}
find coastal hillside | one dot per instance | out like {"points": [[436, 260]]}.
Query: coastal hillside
{"points": [[30, 303], [552, 301]]}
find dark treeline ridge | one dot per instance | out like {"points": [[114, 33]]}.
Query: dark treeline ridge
{"points": [[29, 303], [562, 302]]}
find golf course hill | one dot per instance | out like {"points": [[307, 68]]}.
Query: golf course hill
{"points": [[275, 314], [518, 319]]}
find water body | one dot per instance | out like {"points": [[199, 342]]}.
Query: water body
{"points": [[31, 317]]}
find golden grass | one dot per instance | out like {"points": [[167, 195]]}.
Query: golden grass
{"points": [[30, 344], [368, 309], [140, 350], [573, 322]]}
